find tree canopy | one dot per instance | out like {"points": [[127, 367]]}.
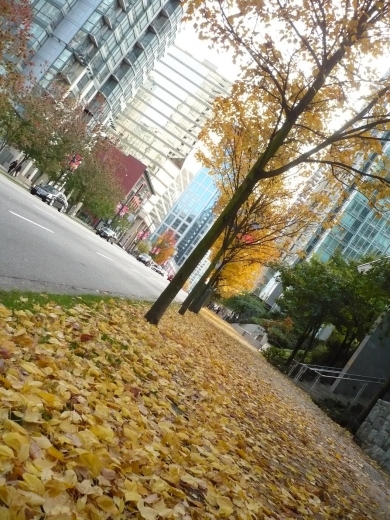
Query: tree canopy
{"points": [[311, 70], [163, 247], [317, 293], [94, 182]]}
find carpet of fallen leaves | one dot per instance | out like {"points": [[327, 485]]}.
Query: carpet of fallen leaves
{"points": [[104, 416]]}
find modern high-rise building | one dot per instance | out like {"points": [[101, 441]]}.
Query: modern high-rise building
{"points": [[102, 50], [192, 215], [360, 229], [160, 126]]}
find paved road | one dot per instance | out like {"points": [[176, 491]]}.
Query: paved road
{"points": [[44, 250]]}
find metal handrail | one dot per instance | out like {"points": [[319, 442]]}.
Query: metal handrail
{"points": [[327, 371]]}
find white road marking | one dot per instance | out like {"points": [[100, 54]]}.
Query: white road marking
{"points": [[47, 213], [108, 258], [32, 222]]}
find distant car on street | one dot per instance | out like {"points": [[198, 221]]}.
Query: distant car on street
{"points": [[51, 196], [144, 258], [107, 233], [158, 269]]}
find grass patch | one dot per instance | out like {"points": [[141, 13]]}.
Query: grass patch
{"points": [[20, 300]]}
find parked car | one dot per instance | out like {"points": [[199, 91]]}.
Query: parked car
{"points": [[107, 233], [51, 196], [158, 269], [144, 258]]}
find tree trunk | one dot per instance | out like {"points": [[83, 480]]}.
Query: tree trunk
{"points": [[310, 342], [157, 310], [346, 354], [298, 345], [199, 288], [196, 305], [381, 393], [336, 355]]}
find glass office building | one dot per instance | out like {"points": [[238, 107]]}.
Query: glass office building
{"points": [[101, 49], [192, 215], [359, 232], [170, 109], [160, 126]]}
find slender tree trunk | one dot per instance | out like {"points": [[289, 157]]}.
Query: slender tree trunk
{"points": [[157, 310], [195, 306], [346, 354], [380, 393], [298, 345], [336, 355], [199, 288], [310, 342]]}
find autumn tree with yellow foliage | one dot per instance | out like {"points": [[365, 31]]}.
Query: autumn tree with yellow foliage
{"points": [[321, 96], [266, 222]]}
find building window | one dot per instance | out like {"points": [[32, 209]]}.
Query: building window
{"points": [[46, 12], [63, 59], [37, 36], [83, 81], [95, 20]]}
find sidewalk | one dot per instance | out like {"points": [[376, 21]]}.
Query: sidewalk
{"points": [[22, 181], [187, 420]]}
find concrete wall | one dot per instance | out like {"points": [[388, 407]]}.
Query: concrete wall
{"points": [[374, 434], [371, 358], [254, 336]]}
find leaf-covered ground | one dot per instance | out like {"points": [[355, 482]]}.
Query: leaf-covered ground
{"points": [[104, 416]]}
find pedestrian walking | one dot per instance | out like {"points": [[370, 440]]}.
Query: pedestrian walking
{"points": [[12, 166], [17, 169]]}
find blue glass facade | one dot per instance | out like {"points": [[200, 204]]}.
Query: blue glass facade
{"points": [[359, 232], [192, 215]]}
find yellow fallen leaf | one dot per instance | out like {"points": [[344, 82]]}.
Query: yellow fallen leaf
{"points": [[147, 512], [106, 503], [162, 509], [4, 312], [225, 506], [43, 442], [85, 487], [103, 433], [23, 452], [159, 485], [92, 462], [132, 496], [32, 498], [20, 332], [34, 484], [55, 453], [15, 440], [4, 513], [188, 479], [59, 505], [6, 452], [32, 417]]}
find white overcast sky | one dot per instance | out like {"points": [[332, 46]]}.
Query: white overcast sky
{"points": [[188, 40]]}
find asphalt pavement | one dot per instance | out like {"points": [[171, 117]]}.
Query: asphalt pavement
{"points": [[46, 251]]}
